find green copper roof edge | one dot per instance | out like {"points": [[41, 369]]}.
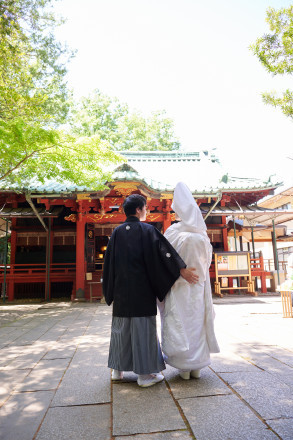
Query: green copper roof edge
{"points": [[214, 190]]}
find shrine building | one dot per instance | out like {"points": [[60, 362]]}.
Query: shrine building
{"points": [[59, 233]]}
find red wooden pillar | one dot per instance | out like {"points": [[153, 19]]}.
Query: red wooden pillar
{"points": [[167, 215], [262, 276], [13, 238], [80, 257], [225, 239], [225, 232], [52, 242], [102, 203], [226, 249], [49, 258]]}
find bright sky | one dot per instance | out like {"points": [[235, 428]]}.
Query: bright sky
{"points": [[191, 58]]}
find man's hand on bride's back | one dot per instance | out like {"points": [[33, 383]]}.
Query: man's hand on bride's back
{"points": [[189, 274]]}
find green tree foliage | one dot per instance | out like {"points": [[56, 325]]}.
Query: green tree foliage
{"points": [[32, 63], [34, 102], [113, 122], [98, 114], [31, 153], [275, 51]]}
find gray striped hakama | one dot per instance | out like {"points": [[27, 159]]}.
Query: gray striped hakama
{"points": [[134, 345]]}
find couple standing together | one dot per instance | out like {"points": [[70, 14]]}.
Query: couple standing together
{"points": [[143, 269]]}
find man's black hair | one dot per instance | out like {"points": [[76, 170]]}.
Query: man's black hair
{"points": [[132, 202]]}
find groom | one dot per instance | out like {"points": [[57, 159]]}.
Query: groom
{"points": [[140, 266]]}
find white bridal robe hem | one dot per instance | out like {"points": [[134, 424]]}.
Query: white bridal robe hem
{"points": [[187, 312]]}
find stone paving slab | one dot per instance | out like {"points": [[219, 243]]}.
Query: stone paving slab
{"points": [[92, 353], [73, 335], [170, 435], [60, 350], [100, 321], [266, 362], [90, 422], [223, 418], [45, 376], [51, 335], [68, 320], [264, 392], [27, 323], [83, 386], [229, 362], [8, 354], [87, 381], [269, 363], [283, 355], [265, 358], [286, 378], [22, 414], [9, 338], [283, 427], [27, 357], [4, 331], [30, 337], [139, 410], [9, 380], [208, 384], [14, 321]]}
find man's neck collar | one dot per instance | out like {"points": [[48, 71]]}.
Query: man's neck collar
{"points": [[132, 218]]}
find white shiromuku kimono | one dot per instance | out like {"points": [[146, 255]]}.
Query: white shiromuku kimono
{"points": [[187, 312]]}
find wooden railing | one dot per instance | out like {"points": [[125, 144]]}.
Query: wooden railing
{"points": [[269, 265], [26, 273], [17, 271], [256, 264], [61, 269]]}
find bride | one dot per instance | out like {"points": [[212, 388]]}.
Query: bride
{"points": [[187, 312]]}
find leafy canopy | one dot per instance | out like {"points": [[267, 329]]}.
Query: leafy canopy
{"points": [[275, 51], [52, 155], [34, 101], [32, 63], [113, 122]]}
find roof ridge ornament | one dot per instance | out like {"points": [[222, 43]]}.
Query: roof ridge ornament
{"points": [[126, 167]]}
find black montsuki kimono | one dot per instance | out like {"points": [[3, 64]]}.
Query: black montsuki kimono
{"points": [[140, 265]]}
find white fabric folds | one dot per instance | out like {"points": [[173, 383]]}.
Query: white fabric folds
{"points": [[187, 209], [187, 313]]}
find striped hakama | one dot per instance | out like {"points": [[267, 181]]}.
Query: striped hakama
{"points": [[134, 345]]}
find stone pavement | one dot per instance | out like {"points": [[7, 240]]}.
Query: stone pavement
{"points": [[55, 383]]}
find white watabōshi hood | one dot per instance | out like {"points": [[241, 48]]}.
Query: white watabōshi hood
{"points": [[187, 209]]}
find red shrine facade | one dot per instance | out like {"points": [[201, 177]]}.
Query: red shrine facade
{"points": [[58, 239]]}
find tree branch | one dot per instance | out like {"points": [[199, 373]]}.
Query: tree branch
{"points": [[28, 156]]}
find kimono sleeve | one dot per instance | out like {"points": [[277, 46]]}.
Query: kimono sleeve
{"points": [[109, 271], [162, 262]]}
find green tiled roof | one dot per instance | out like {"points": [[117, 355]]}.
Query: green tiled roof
{"points": [[201, 171], [161, 170], [48, 187]]}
